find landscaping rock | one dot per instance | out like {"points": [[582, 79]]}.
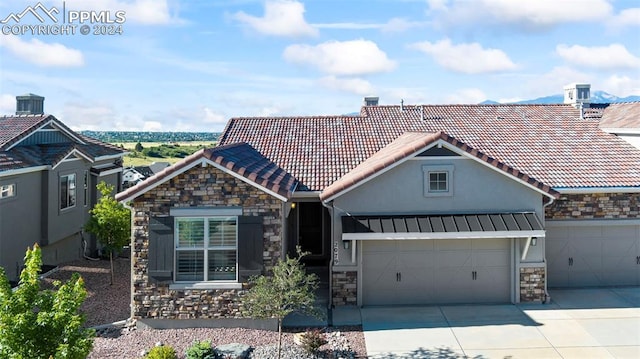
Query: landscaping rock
{"points": [[233, 351]]}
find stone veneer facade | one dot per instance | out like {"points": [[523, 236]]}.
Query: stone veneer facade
{"points": [[197, 187], [345, 288], [595, 206], [532, 284]]}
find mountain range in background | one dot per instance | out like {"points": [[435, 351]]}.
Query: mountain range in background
{"points": [[596, 97]]}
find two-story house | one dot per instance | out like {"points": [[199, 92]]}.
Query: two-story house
{"points": [[48, 178]]}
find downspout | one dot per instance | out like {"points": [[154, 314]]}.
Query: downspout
{"points": [[547, 297], [330, 304]]}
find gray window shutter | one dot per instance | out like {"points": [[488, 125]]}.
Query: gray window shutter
{"points": [[250, 247], [161, 248]]}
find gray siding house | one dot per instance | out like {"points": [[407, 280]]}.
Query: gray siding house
{"points": [[398, 205], [48, 177]]}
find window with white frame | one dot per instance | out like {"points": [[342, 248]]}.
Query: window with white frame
{"points": [[438, 180], [7, 190], [67, 191], [206, 249]]}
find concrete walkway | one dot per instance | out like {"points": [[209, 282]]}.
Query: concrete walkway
{"points": [[578, 323]]}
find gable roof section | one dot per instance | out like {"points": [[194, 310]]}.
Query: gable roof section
{"points": [[547, 142], [408, 145], [621, 118], [237, 159], [15, 155]]}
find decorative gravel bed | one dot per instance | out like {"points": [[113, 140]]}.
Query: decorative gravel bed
{"points": [[110, 303]]}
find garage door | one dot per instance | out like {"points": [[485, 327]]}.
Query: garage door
{"points": [[436, 271], [592, 255]]}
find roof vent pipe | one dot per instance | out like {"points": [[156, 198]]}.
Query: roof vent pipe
{"points": [[421, 113], [401, 105]]}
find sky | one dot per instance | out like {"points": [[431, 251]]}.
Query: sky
{"points": [[178, 65]]}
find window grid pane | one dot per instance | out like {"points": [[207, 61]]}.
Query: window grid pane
{"points": [[222, 265], [222, 232], [438, 182], [189, 265], [191, 232]]}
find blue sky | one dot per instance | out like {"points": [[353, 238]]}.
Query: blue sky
{"points": [[192, 65]]}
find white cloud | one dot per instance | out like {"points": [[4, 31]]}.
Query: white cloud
{"points": [[213, 117], [354, 85], [554, 81], [465, 58], [147, 12], [281, 18], [355, 57], [41, 53], [626, 17], [153, 126], [538, 14], [7, 104], [395, 24], [614, 56], [621, 86]]}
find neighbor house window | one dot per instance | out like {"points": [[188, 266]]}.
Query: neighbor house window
{"points": [[438, 180], [67, 191], [206, 249], [7, 190], [86, 188]]}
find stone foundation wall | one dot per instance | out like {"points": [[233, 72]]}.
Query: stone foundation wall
{"points": [[345, 288], [532, 282], [198, 187], [595, 206]]}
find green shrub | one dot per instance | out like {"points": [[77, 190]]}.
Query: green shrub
{"points": [[162, 352], [201, 350], [312, 340], [42, 324]]}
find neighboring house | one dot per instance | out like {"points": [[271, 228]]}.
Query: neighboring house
{"points": [[397, 205], [623, 121], [48, 177], [131, 176]]}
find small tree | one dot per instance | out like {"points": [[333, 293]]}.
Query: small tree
{"points": [[289, 289], [110, 221], [42, 324], [139, 147]]}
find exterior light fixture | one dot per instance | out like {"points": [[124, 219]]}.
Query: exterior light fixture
{"points": [[534, 241]]}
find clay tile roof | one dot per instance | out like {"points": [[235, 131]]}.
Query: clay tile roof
{"points": [[550, 143], [408, 144], [240, 158], [621, 116]]}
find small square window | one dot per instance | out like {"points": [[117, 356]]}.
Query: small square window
{"points": [[7, 190], [438, 182]]}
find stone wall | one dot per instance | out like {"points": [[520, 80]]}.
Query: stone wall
{"points": [[199, 186], [532, 282], [345, 288], [595, 206]]}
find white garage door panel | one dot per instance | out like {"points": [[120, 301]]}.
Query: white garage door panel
{"points": [[593, 256], [436, 271]]}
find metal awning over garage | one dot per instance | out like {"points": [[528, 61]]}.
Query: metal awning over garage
{"points": [[454, 226]]}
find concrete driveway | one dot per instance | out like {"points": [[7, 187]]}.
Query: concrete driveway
{"points": [[578, 323]]}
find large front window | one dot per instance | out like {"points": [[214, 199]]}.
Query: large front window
{"points": [[67, 191], [206, 249]]}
